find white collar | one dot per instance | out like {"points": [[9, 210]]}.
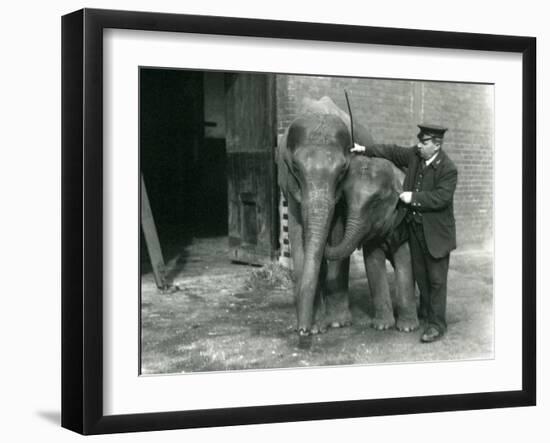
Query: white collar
{"points": [[432, 158]]}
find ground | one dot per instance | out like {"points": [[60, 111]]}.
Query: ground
{"points": [[229, 316]]}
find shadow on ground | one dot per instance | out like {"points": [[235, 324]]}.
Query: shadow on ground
{"points": [[218, 321], [53, 417]]}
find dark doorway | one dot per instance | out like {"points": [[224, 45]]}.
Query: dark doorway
{"points": [[207, 144], [182, 159]]}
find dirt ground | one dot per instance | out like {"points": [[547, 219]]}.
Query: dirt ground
{"points": [[226, 317]]}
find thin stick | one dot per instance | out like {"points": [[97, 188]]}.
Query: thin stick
{"points": [[350, 119]]}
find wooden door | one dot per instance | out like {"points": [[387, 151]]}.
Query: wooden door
{"points": [[251, 138]]}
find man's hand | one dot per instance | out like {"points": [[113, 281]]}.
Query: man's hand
{"points": [[358, 149], [406, 197]]}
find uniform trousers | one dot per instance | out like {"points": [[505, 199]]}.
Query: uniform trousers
{"points": [[431, 276]]}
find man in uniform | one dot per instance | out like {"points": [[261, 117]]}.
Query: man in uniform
{"points": [[426, 211]]}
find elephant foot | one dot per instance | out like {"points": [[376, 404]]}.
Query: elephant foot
{"points": [[383, 317], [340, 324], [407, 317], [315, 330], [407, 324], [303, 331], [322, 326], [341, 321], [337, 313], [318, 329], [382, 324]]}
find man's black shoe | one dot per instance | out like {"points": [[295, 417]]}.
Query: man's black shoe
{"points": [[431, 334]]}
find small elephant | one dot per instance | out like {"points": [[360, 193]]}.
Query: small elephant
{"points": [[371, 190], [313, 159]]}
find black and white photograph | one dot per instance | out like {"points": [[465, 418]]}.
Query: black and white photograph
{"points": [[287, 221], [295, 221], [275, 221]]}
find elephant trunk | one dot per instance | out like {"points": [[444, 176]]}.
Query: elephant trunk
{"points": [[317, 216], [355, 231]]}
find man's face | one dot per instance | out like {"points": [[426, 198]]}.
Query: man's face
{"points": [[427, 146]]}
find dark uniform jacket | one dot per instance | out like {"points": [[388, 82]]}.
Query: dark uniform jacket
{"points": [[432, 203]]}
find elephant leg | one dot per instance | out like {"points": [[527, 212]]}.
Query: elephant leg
{"points": [[320, 323], [375, 265], [296, 238], [407, 318], [295, 235], [336, 280], [337, 309]]}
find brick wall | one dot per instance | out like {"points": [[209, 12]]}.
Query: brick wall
{"points": [[391, 109]]}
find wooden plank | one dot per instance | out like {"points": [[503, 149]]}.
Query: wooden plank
{"points": [[252, 191], [251, 224], [152, 239]]}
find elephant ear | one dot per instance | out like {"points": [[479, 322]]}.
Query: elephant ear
{"points": [[342, 180], [286, 179], [399, 177]]}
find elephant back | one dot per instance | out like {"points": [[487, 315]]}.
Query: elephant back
{"points": [[326, 105], [316, 129]]}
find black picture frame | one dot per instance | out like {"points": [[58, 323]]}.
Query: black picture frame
{"points": [[82, 218]]}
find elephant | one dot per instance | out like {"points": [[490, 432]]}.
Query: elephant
{"points": [[371, 189], [313, 158]]}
